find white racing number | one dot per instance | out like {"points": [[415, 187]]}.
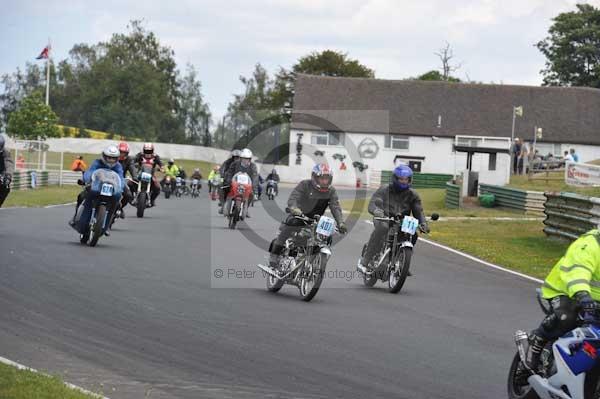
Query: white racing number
{"points": [[409, 225], [146, 176], [107, 190], [243, 179], [326, 226]]}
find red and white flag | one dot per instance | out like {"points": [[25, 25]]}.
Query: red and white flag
{"points": [[44, 54]]}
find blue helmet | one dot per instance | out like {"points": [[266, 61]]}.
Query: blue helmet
{"points": [[402, 171]]}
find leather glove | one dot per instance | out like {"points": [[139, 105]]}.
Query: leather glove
{"points": [[379, 213], [342, 228], [80, 182], [296, 211], [424, 227]]}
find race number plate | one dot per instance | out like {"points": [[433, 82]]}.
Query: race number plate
{"points": [[146, 176], [243, 179], [107, 190], [195, 182], [326, 226], [409, 225]]}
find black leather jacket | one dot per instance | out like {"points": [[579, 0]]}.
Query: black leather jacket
{"points": [[392, 202], [313, 202]]}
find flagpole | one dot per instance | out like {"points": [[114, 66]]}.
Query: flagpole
{"points": [[48, 75]]}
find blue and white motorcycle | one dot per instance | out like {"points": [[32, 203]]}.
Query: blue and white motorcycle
{"points": [[570, 366], [106, 185]]}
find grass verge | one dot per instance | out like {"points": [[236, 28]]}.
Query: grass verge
{"points": [[558, 184], [517, 245], [25, 384], [42, 196]]}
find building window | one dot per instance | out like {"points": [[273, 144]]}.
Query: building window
{"points": [[396, 142], [492, 163], [327, 138]]}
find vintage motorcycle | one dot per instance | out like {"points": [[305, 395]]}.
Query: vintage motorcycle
{"points": [[392, 263], [195, 188], [106, 188], [304, 257], [142, 193], [271, 189], [238, 198]]}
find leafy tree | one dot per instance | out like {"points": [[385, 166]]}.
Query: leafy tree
{"points": [[572, 48], [437, 76], [194, 112], [33, 119]]}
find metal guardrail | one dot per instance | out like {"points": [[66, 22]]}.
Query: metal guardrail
{"points": [[569, 215], [521, 200], [453, 196], [22, 179]]}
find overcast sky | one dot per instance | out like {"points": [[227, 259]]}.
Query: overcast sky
{"points": [[492, 40]]}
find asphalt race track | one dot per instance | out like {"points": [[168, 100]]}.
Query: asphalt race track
{"points": [[173, 306]]}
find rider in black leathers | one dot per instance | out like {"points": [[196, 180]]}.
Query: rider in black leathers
{"points": [[223, 191], [7, 168], [310, 197]]}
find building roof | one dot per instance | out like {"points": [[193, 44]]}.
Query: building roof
{"points": [[409, 107]]}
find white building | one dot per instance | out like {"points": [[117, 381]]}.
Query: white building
{"points": [[376, 121]]}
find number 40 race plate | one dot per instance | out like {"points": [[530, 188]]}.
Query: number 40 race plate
{"points": [[326, 226]]}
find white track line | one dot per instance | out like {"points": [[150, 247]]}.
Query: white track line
{"points": [[488, 264], [75, 387], [42, 207]]}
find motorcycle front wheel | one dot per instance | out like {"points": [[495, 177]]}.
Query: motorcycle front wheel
{"points": [[141, 204], [98, 230], [312, 276], [518, 388], [233, 218], [399, 269]]}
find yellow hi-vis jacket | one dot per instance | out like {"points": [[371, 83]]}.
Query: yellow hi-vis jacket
{"points": [[578, 270]]}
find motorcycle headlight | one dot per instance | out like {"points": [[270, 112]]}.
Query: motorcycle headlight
{"points": [[241, 189]]}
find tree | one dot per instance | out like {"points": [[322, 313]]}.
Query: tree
{"points": [[445, 55], [434, 75], [128, 85], [325, 63], [572, 49], [33, 119], [194, 112]]}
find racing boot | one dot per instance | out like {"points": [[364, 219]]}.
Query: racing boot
{"points": [[536, 346]]}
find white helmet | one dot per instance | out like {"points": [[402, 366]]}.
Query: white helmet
{"points": [[110, 155], [246, 153]]}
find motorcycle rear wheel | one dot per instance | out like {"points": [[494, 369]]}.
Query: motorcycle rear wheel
{"points": [[274, 284], [516, 390], [368, 281]]}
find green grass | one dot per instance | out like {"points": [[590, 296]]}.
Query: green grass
{"points": [[517, 245], [433, 200], [523, 183], [24, 384], [42, 196]]}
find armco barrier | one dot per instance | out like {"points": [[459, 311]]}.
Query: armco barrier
{"points": [[526, 201], [453, 196], [22, 179], [420, 180], [569, 215]]}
